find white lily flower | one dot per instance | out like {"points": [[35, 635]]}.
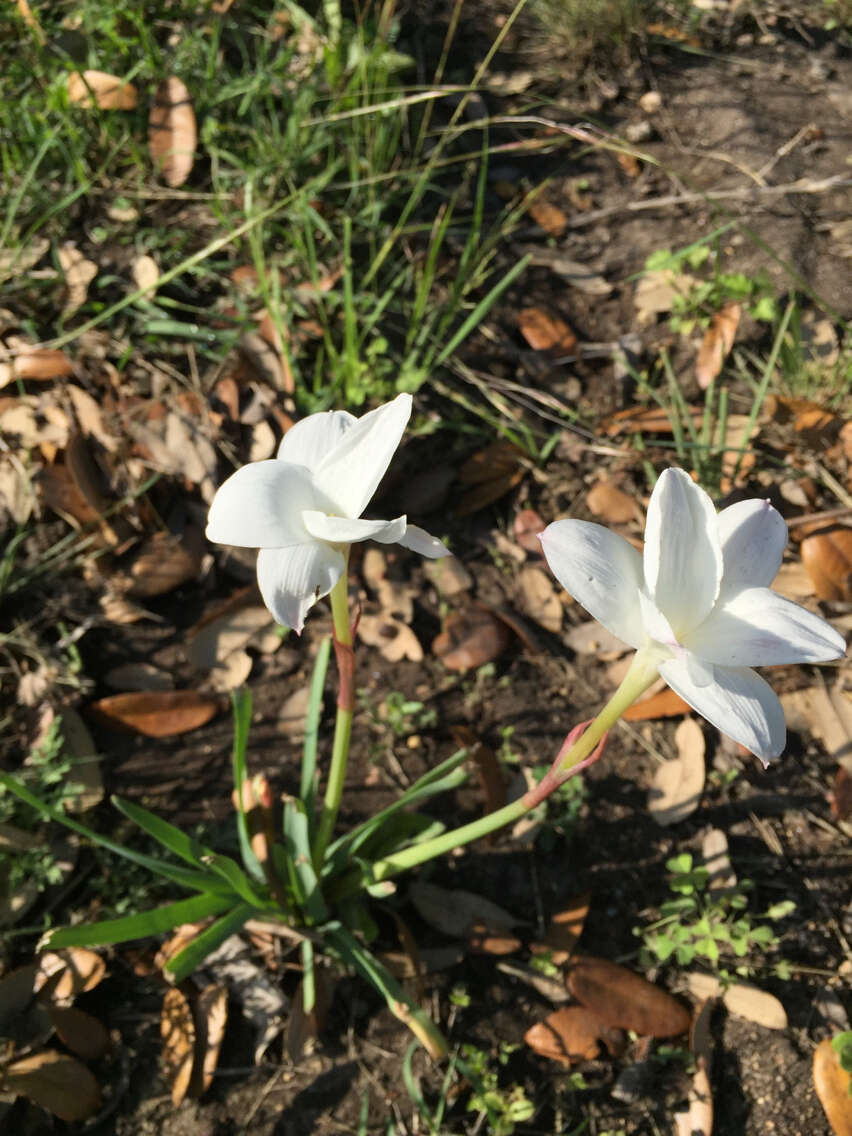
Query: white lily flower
{"points": [[698, 603], [303, 508]]}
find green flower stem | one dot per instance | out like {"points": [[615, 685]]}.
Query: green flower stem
{"points": [[643, 671], [343, 723]]}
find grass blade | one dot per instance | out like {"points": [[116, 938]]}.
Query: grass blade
{"points": [[192, 955], [139, 926], [241, 703]]}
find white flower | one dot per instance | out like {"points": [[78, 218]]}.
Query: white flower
{"points": [[303, 509], [698, 603]]}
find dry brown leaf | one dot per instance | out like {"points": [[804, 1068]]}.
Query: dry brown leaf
{"points": [[678, 784], [448, 575], [831, 1082], [482, 941], [177, 1030], [645, 420], [89, 417], [26, 14], [161, 564], [717, 861], [491, 473], [17, 497], [574, 1033], [608, 501], [172, 133], [526, 528], [470, 639], [69, 972], [825, 712], [827, 557], [394, 639], [740, 999], [697, 1120], [629, 163], [666, 704], [545, 331], [592, 638], [737, 459], [17, 990], [155, 713], [84, 1035], [565, 930], [226, 630], [85, 780], [302, 1027], [793, 581], [487, 766], [657, 291], [211, 1015], [99, 89], [79, 273], [56, 1082], [138, 676], [42, 363], [263, 442], [539, 597], [232, 672], [548, 217], [626, 1000], [718, 341], [840, 797], [265, 361], [457, 912], [145, 272]]}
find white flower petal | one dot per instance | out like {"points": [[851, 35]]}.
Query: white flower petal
{"points": [[753, 537], [342, 530], [292, 579], [419, 541], [310, 441], [656, 625], [701, 673], [739, 703], [683, 557], [601, 571], [350, 474], [260, 506], [757, 627]]}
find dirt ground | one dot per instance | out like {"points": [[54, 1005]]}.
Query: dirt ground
{"points": [[761, 110]]}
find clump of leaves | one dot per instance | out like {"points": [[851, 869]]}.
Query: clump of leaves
{"points": [[695, 306], [504, 1107], [712, 924]]}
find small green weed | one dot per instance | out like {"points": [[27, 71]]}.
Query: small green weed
{"points": [[711, 924], [406, 715], [560, 812], [842, 1046], [503, 1107]]}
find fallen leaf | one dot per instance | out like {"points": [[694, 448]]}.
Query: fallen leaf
{"points": [[608, 501], [294, 712], [656, 292], [303, 1027], [629, 163], [793, 581], [574, 1033], [666, 704], [718, 341], [564, 931], [56, 1082], [90, 418], [737, 459], [211, 1015], [228, 628], [85, 781], [262, 1002], [232, 672], [172, 133], [99, 89], [526, 528], [449, 576], [697, 1120], [544, 331], [646, 420], [42, 363], [177, 1030], [79, 273], [26, 14], [84, 1035], [265, 360], [456, 912], [717, 861], [832, 1084], [487, 766], [482, 941], [827, 557], [470, 639], [573, 272], [491, 473], [155, 713], [138, 676], [145, 272], [678, 784], [17, 990], [161, 564], [69, 972], [539, 597], [17, 497], [548, 217], [826, 712], [840, 798], [592, 638], [740, 999], [626, 1000], [394, 639]]}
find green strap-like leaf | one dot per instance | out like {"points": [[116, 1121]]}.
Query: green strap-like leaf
{"points": [[195, 881], [139, 926], [297, 843], [192, 955]]}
